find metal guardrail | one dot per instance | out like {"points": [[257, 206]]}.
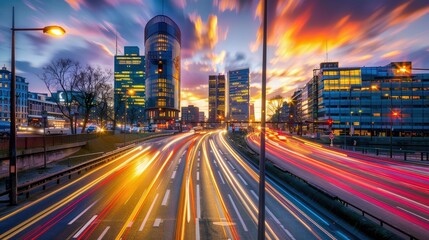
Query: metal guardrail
{"points": [[42, 182], [334, 197], [396, 154]]}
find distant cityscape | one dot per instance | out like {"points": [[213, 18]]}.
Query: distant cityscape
{"points": [[363, 101]]}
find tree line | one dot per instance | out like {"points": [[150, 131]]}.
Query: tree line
{"points": [[85, 89]]}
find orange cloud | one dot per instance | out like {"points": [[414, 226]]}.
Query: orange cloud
{"points": [[391, 54], [206, 33], [75, 4]]}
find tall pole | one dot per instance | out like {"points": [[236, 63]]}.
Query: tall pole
{"points": [[261, 212], [13, 176]]}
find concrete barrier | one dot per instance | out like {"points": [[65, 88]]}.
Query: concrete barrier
{"points": [[33, 158]]}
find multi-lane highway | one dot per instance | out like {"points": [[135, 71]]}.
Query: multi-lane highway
{"points": [[396, 192], [188, 186]]}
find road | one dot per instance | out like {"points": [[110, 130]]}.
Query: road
{"points": [[396, 192], [188, 186]]}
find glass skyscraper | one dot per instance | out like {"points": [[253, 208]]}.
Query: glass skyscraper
{"points": [[216, 99], [162, 45], [129, 75], [239, 95]]}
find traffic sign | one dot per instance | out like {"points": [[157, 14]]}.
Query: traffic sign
{"points": [[331, 136]]}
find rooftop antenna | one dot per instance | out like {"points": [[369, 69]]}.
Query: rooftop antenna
{"points": [[326, 50], [116, 47]]}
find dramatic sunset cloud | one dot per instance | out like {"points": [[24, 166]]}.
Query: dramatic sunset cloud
{"points": [[223, 35]]}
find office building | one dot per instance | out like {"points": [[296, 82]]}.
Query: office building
{"points": [[37, 102], [21, 100], [190, 115], [129, 75], [369, 101], [201, 117], [162, 38], [239, 95], [216, 99]]}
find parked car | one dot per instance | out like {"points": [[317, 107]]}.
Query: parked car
{"points": [[92, 129]]}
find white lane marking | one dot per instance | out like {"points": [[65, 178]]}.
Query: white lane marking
{"points": [[221, 178], [180, 160], [199, 153], [83, 212], [405, 198], [197, 231], [103, 233], [157, 222], [85, 226], [198, 202], [238, 213], [233, 168], [148, 213], [165, 199], [413, 213], [215, 163], [242, 179], [173, 175], [198, 176], [198, 159], [130, 224], [254, 194], [198, 164], [274, 217], [220, 151]]}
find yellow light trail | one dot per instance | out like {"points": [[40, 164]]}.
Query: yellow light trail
{"points": [[40, 215], [137, 208]]}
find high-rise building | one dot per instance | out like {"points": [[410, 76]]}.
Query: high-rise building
{"points": [[129, 86], [162, 45], [21, 100], [239, 95], [190, 115], [252, 112], [216, 99], [201, 117]]}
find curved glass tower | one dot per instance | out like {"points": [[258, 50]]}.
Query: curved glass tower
{"points": [[162, 48]]}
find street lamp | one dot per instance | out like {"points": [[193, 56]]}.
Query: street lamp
{"points": [[128, 93], [394, 115], [45, 120], [13, 176]]}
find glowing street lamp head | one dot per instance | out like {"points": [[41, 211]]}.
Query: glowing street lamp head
{"points": [[54, 30]]}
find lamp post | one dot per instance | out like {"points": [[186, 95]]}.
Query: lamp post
{"points": [[373, 87], [128, 93], [13, 176], [261, 203], [45, 119], [394, 115], [360, 122]]}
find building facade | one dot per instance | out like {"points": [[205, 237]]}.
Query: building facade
{"points": [[239, 95], [162, 49], [369, 101], [129, 85], [21, 100], [216, 99], [190, 115], [37, 102]]}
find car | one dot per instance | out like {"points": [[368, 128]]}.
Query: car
{"points": [[92, 129]]}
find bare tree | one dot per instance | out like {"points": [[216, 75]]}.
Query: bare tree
{"points": [[61, 76], [90, 80], [104, 108], [275, 105]]}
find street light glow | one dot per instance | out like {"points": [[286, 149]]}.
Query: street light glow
{"points": [[54, 30]]}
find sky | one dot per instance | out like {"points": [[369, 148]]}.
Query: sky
{"points": [[223, 35]]}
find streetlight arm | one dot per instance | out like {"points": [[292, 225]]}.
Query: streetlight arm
{"points": [[27, 29]]}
